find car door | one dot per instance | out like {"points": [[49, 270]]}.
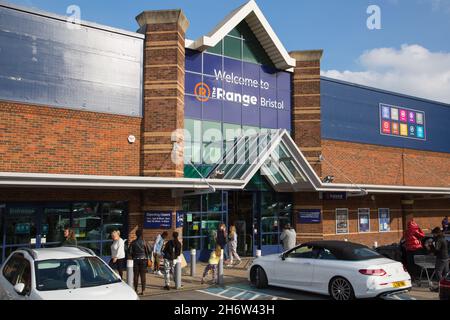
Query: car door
{"points": [[295, 268], [325, 267], [16, 270]]}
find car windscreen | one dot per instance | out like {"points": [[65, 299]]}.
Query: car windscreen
{"points": [[76, 273]]}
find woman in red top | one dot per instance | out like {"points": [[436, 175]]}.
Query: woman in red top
{"points": [[413, 245]]}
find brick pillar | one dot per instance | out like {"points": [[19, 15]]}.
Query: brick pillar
{"points": [[308, 232], [306, 115], [164, 65]]}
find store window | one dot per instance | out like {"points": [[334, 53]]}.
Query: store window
{"points": [[276, 212], [384, 220], [342, 226]]}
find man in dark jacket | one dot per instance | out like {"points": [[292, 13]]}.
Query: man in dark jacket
{"points": [[140, 253], [440, 249], [171, 252]]}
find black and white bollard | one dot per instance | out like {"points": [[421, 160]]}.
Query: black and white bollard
{"points": [[193, 262], [177, 273], [130, 265], [220, 270]]}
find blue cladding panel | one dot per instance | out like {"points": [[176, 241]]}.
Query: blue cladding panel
{"points": [[352, 113], [42, 61]]}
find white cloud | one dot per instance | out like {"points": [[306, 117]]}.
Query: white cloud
{"points": [[412, 70]]}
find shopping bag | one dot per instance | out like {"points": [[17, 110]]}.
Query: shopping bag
{"points": [[183, 261]]}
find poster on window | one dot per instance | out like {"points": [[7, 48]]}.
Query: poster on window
{"points": [[384, 218], [341, 221], [364, 220]]}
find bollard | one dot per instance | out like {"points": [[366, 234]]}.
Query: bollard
{"points": [[130, 265], [193, 262], [258, 253], [346, 240], [177, 273], [375, 245], [220, 270]]}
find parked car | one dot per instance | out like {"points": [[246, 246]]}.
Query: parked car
{"points": [[342, 270], [444, 288], [64, 273]]}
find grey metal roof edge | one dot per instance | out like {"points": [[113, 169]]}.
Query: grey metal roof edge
{"points": [[398, 94], [55, 16]]}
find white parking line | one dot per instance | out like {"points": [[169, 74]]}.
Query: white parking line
{"points": [[242, 292]]}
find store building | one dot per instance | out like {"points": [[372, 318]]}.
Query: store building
{"points": [[106, 129]]}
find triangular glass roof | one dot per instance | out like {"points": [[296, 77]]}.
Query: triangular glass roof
{"points": [[272, 153]]}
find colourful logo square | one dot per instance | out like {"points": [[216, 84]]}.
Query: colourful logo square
{"points": [[386, 112], [403, 129], [411, 117], [419, 118], [386, 127], [412, 131], [394, 114], [420, 132], [403, 116], [395, 128]]}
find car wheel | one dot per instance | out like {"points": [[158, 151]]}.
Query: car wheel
{"points": [[260, 278], [341, 289]]}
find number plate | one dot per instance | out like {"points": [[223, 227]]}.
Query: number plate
{"points": [[398, 284]]}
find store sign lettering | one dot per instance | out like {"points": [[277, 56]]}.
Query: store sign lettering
{"points": [[402, 122]]}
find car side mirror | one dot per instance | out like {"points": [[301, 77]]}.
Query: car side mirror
{"points": [[19, 288]]}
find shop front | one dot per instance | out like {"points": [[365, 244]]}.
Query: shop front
{"points": [[41, 224]]}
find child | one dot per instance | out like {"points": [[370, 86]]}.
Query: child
{"points": [[212, 264]]}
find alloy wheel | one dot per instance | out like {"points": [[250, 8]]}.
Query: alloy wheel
{"points": [[341, 289]]}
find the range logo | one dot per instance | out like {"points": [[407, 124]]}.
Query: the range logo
{"points": [[202, 92]]}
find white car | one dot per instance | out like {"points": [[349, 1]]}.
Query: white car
{"points": [[343, 270], [64, 273]]}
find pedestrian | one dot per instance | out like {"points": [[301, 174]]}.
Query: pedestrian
{"points": [[118, 257], [171, 251], [413, 245], [140, 253], [232, 246], [288, 237], [69, 237], [213, 264], [445, 224], [440, 249], [221, 239], [157, 252]]}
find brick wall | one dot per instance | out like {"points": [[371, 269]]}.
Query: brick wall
{"points": [[370, 164], [39, 139]]}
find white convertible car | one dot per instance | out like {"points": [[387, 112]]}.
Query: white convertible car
{"points": [[343, 270]]}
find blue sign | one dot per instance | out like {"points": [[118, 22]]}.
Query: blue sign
{"points": [[309, 216], [384, 219], [334, 196], [22, 229], [158, 220], [180, 219], [238, 92]]}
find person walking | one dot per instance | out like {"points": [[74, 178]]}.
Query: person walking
{"points": [[140, 253], [171, 251], [69, 237], [413, 246], [440, 250], [157, 252], [288, 237], [221, 239], [232, 246], [213, 264], [445, 224], [118, 258]]}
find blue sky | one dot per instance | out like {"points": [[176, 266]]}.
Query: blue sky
{"points": [[410, 29]]}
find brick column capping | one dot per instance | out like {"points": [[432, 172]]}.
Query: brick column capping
{"points": [[164, 82], [306, 113]]}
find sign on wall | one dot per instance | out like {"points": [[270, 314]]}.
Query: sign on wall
{"points": [[333, 196], [341, 221], [309, 216], [402, 122], [158, 220], [180, 219], [364, 220], [384, 219], [233, 91]]}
